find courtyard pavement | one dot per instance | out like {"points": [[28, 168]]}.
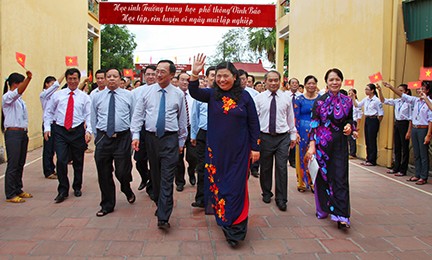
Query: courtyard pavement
{"points": [[391, 219]]}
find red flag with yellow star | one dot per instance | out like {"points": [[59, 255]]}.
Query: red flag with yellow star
{"points": [[425, 73], [128, 73], [375, 77], [71, 61], [20, 58], [414, 84], [349, 82]]}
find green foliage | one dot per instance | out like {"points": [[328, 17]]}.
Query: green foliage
{"points": [[234, 48], [117, 46], [247, 45], [263, 41]]}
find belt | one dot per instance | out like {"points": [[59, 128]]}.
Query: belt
{"points": [[116, 134], [402, 121], [275, 134], [166, 133], [371, 116], [420, 126], [16, 129]]}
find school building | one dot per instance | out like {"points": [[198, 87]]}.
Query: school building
{"points": [[45, 31], [360, 38]]}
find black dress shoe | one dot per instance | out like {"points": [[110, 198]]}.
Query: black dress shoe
{"points": [[282, 206], [196, 204], [163, 225], [255, 173], [59, 199], [142, 185], [77, 193], [192, 180], [180, 188], [131, 199], [266, 199], [232, 243]]}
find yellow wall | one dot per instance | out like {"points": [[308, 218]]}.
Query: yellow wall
{"points": [[357, 37], [46, 31]]}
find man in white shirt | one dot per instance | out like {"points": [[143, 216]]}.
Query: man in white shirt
{"points": [[278, 135], [70, 109]]}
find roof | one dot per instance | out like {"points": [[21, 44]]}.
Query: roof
{"points": [[251, 67]]}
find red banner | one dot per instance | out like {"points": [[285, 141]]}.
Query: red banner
{"points": [[231, 15]]}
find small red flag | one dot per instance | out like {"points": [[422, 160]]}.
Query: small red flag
{"points": [[71, 61], [375, 77], [414, 84], [128, 73], [425, 73], [20, 58], [349, 82]]}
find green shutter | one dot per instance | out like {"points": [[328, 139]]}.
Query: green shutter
{"points": [[417, 19]]}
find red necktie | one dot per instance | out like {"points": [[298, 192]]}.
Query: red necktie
{"points": [[69, 112]]}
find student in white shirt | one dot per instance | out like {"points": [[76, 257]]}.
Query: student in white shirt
{"points": [[374, 113]]}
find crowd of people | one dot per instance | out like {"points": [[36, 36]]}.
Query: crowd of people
{"points": [[226, 126]]}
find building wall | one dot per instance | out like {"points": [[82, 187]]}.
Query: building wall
{"points": [[46, 31], [358, 37]]}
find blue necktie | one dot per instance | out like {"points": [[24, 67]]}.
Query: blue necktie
{"points": [[160, 123], [111, 115], [272, 122]]}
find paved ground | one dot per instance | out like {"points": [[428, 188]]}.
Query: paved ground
{"points": [[391, 219]]}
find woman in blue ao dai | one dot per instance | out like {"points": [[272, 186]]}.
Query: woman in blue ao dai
{"points": [[303, 112]]}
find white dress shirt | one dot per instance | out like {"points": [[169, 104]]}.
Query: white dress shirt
{"points": [[14, 110], [252, 92], [56, 109], [284, 112], [403, 110], [147, 107], [357, 113], [421, 114], [372, 106], [46, 94], [123, 110]]}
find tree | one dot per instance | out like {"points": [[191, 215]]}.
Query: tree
{"points": [[117, 46], [263, 41], [233, 47]]}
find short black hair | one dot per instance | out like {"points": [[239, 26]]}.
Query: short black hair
{"points": [[72, 71], [242, 72], [210, 69], [172, 67], [153, 67]]}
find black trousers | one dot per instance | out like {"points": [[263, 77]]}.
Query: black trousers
{"points": [[16, 150], [274, 148], [371, 133], [401, 146], [163, 166], [191, 159], [201, 142], [291, 157], [69, 142], [48, 154], [117, 150], [352, 144], [141, 162]]}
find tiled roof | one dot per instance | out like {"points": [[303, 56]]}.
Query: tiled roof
{"points": [[250, 67]]}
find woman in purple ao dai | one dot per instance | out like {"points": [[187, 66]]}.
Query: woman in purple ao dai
{"points": [[331, 125]]}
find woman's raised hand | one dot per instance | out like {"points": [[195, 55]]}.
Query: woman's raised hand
{"points": [[198, 63]]}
